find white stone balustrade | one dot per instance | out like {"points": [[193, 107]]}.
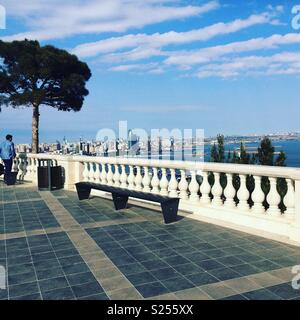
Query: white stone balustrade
{"points": [[217, 191], [191, 182]]}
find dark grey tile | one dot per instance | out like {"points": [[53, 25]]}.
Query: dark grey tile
{"points": [[131, 268], [76, 268], [235, 297], [202, 278], [53, 283], [224, 274], [178, 283], [265, 265], [154, 264], [23, 289], [21, 278], [245, 269], [285, 291], [49, 273], [87, 289], [80, 278], [209, 264], [164, 273], [99, 296], [152, 289], [230, 261], [141, 278], [29, 297], [188, 268], [59, 294], [261, 294], [176, 260], [20, 268]]}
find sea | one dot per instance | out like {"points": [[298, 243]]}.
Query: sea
{"points": [[290, 147]]}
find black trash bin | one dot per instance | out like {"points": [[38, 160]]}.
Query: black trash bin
{"points": [[11, 178], [49, 176]]}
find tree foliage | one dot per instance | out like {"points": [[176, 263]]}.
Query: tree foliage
{"points": [[264, 156], [34, 76]]}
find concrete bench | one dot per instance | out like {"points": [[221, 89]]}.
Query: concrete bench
{"points": [[120, 197]]}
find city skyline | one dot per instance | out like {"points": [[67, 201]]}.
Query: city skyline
{"points": [[213, 65]]}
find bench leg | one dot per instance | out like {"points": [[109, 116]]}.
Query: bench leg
{"points": [[120, 202], [169, 210], [83, 192]]}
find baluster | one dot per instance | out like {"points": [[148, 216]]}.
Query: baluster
{"points": [[243, 194], [22, 168], [94, 171], [91, 172], [97, 176], [155, 181], [85, 172], [103, 174], [29, 167], [273, 199], [32, 167], [116, 176], [146, 180], [15, 165], [229, 192], [217, 191], [35, 166], [205, 189], [131, 178], [173, 185], [194, 187], [183, 185], [164, 182], [110, 175], [138, 179], [258, 196], [289, 200], [123, 177]]}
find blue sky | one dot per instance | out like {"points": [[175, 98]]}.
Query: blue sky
{"points": [[224, 66]]}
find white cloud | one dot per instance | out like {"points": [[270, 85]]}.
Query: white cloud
{"points": [[159, 40], [55, 19], [212, 53], [152, 68], [277, 64]]}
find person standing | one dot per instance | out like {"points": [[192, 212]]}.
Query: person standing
{"points": [[7, 153]]}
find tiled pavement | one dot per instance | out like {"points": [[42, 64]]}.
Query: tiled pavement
{"points": [[56, 247]]}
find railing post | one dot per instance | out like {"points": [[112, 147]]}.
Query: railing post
{"points": [[297, 201], [69, 169], [79, 167], [295, 228]]}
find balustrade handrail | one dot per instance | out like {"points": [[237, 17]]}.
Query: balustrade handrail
{"points": [[255, 170]]}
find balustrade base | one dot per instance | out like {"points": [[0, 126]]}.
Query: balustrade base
{"points": [[277, 228]]}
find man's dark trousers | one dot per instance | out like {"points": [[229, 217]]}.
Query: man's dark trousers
{"points": [[8, 165]]}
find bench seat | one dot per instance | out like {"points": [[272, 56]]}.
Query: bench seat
{"points": [[120, 197]]}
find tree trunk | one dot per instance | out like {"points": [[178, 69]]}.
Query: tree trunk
{"points": [[35, 129]]}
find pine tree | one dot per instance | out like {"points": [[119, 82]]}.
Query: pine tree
{"points": [[244, 156], [36, 76], [214, 156], [229, 156], [235, 157], [221, 148], [266, 152], [281, 159], [217, 152]]}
